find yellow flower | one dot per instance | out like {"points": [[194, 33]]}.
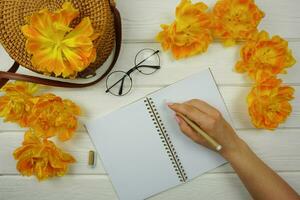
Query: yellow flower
{"points": [[41, 158], [268, 103], [189, 34], [15, 109], [235, 20], [263, 57], [55, 47], [19, 87], [15, 106], [51, 115], [47, 114]]}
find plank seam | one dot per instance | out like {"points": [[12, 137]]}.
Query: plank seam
{"points": [[208, 173]]}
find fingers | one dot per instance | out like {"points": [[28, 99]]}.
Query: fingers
{"points": [[189, 132], [204, 107], [192, 113]]}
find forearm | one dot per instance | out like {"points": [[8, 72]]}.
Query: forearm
{"points": [[260, 180]]}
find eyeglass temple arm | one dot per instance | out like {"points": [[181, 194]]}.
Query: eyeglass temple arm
{"points": [[129, 72], [149, 66], [133, 69], [116, 83], [122, 79], [121, 87], [156, 52]]}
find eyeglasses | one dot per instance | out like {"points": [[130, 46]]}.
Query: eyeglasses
{"points": [[119, 83]]}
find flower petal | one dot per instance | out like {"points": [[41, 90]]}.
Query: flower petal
{"points": [[235, 20], [268, 103], [57, 48], [189, 34], [41, 158]]}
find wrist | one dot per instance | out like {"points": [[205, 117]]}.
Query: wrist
{"points": [[237, 151]]}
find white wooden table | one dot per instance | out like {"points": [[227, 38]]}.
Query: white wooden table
{"points": [[141, 20]]}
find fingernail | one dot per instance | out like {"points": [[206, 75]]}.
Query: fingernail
{"points": [[169, 104], [177, 119]]}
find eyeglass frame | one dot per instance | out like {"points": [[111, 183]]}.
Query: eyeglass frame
{"points": [[129, 72]]}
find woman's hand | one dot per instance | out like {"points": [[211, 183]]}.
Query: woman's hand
{"points": [[260, 180], [209, 120]]}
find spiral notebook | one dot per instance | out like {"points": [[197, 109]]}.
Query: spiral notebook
{"points": [[142, 147]]}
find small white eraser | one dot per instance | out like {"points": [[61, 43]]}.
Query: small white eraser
{"points": [[219, 148]]}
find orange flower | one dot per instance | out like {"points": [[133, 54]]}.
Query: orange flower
{"points": [[235, 20], [47, 114], [50, 115], [41, 158], [15, 106], [268, 103], [189, 34], [19, 87], [55, 47], [263, 57]]}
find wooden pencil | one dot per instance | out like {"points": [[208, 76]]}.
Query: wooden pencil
{"points": [[209, 139]]}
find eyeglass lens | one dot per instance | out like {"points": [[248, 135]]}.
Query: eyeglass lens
{"points": [[147, 62], [122, 87], [150, 59]]}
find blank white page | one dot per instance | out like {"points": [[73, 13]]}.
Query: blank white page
{"points": [[195, 159], [132, 152]]}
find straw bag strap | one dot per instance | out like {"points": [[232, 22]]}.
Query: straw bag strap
{"points": [[11, 75]]}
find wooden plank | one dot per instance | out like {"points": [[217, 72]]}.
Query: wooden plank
{"points": [[284, 156], [208, 186], [141, 22], [68, 187], [220, 59], [95, 102]]}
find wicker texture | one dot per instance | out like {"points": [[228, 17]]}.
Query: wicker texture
{"points": [[12, 17]]}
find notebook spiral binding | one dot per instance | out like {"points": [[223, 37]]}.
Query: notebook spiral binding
{"points": [[165, 138]]}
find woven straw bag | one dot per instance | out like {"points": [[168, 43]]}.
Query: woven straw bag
{"points": [[105, 20]]}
